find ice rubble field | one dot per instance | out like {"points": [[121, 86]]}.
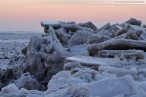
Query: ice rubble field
{"points": [[11, 45], [76, 60]]}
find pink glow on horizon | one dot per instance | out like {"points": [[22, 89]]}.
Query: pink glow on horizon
{"points": [[27, 16]]}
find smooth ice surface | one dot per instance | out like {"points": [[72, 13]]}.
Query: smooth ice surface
{"points": [[50, 22], [90, 60]]}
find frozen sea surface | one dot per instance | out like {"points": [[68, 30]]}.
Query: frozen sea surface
{"points": [[11, 45], [115, 77]]}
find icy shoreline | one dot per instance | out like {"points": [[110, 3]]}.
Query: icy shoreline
{"points": [[76, 60]]}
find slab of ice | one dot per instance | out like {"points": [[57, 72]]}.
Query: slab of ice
{"points": [[9, 89], [143, 35], [77, 50], [113, 87], [90, 60], [138, 28], [50, 23]]}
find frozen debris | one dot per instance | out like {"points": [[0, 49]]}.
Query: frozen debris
{"points": [[91, 81], [43, 54], [48, 66], [35, 58], [72, 65], [125, 25], [63, 82], [113, 87], [69, 26], [14, 69], [59, 60], [46, 48], [24, 51], [1, 85], [80, 37], [75, 27], [55, 42], [54, 24], [29, 82], [10, 49], [36, 42], [122, 31], [117, 44], [67, 79], [136, 55], [144, 25], [110, 30], [12, 91], [104, 75], [50, 23], [133, 34], [78, 91], [89, 25], [105, 32], [6, 75], [13, 95], [12, 88], [114, 28], [97, 39], [62, 35], [139, 32], [139, 54], [118, 71], [86, 74], [17, 61], [133, 21], [105, 27], [140, 28], [89, 60]]}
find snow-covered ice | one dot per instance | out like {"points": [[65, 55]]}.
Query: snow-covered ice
{"points": [[50, 67]]}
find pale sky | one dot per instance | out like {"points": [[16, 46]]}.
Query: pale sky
{"points": [[25, 15]]}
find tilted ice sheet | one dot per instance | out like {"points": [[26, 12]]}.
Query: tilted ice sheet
{"points": [[91, 60]]}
